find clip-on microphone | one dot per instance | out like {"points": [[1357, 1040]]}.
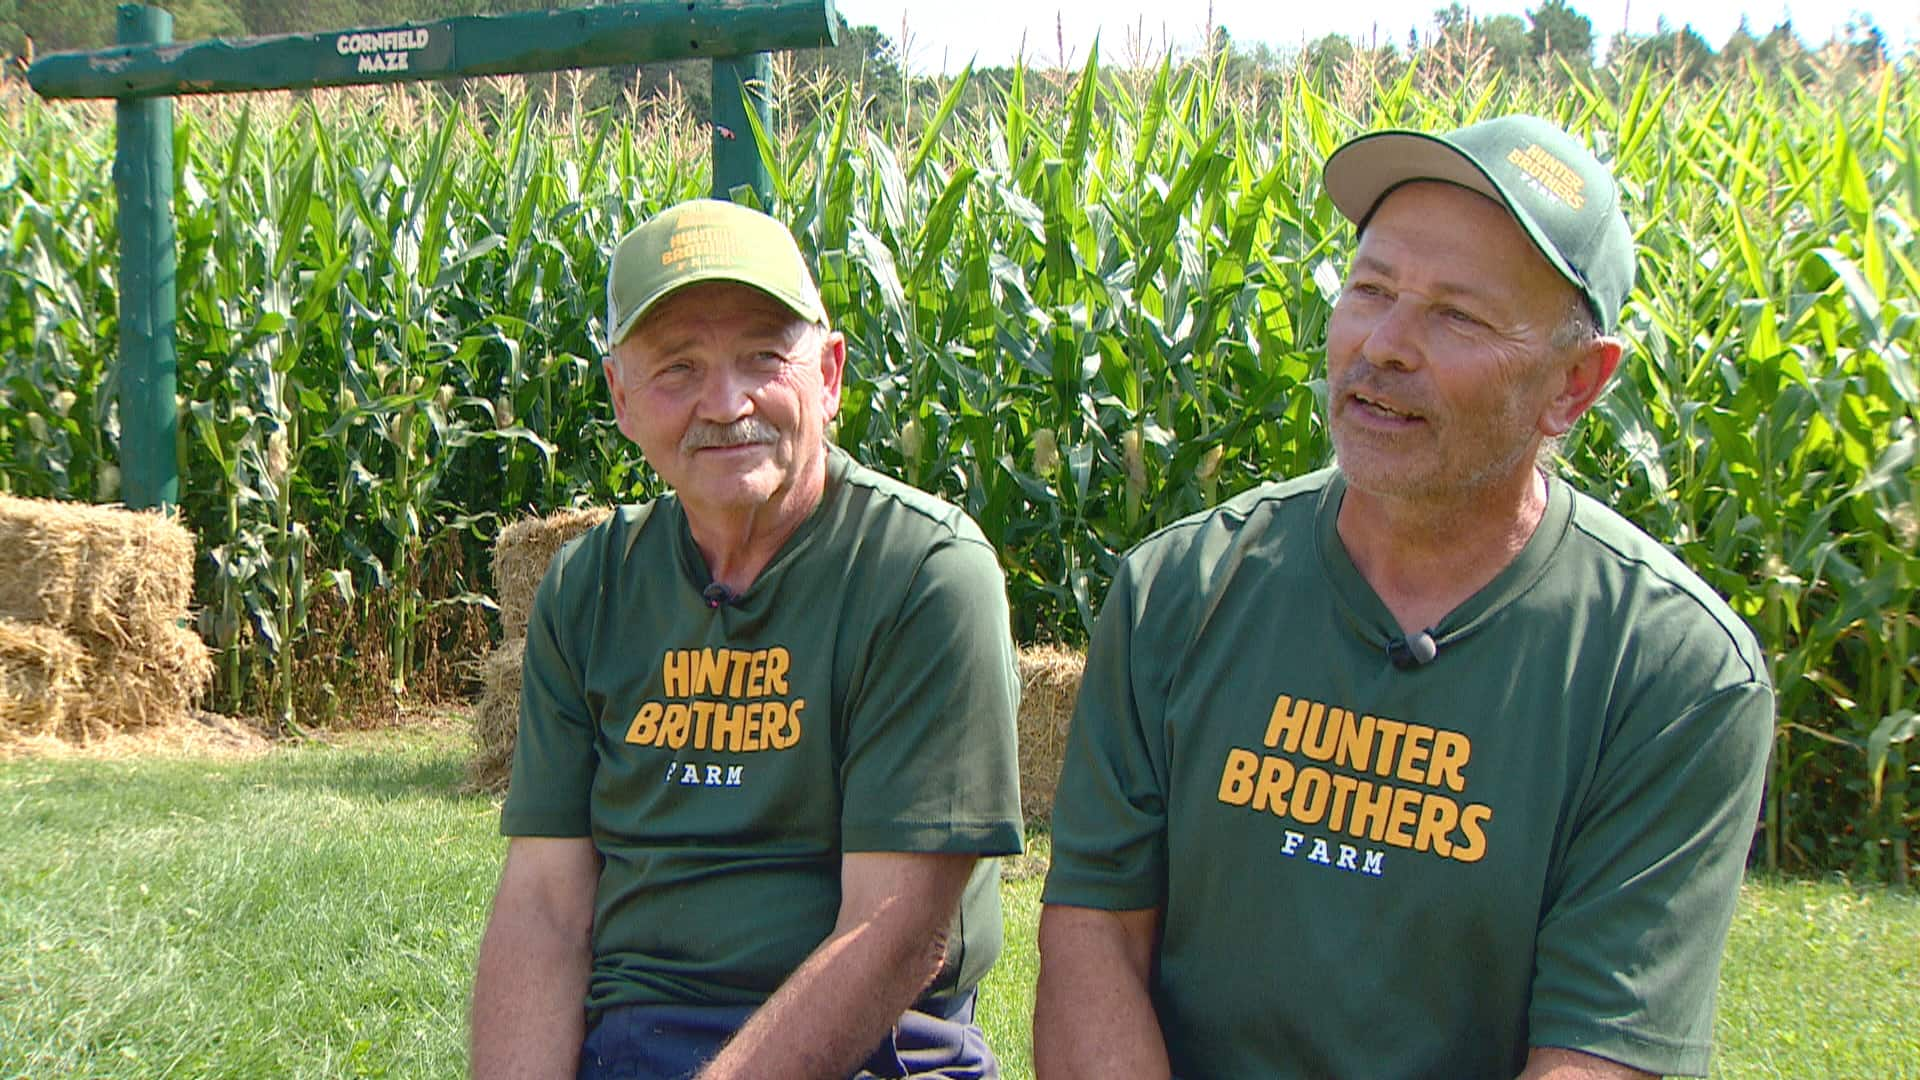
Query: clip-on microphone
{"points": [[1408, 653]]}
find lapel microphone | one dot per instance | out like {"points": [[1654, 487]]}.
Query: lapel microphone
{"points": [[1408, 653], [717, 596]]}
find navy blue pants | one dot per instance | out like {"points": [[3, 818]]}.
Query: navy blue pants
{"points": [[672, 1042]]}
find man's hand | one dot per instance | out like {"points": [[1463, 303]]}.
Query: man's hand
{"points": [[886, 946], [530, 983], [1092, 1015]]}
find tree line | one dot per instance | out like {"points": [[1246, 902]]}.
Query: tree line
{"points": [[1552, 33], [1555, 34]]}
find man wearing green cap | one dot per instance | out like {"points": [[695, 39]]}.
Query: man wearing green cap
{"points": [[1424, 765], [767, 720]]}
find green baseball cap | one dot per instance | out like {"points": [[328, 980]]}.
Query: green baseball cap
{"points": [[705, 240], [1565, 200]]}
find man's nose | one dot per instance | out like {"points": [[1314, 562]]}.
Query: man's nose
{"points": [[1392, 341], [723, 395]]}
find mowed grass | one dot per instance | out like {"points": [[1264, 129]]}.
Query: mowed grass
{"points": [[310, 913], [313, 912]]}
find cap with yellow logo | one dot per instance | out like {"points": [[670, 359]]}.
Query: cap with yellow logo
{"points": [[705, 240], [1563, 198]]}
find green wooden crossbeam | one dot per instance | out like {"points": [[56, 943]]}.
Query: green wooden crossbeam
{"points": [[449, 48]]}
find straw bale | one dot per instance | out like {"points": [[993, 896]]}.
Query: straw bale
{"points": [[92, 601], [42, 563], [496, 719], [42, 673], [521, 555], [120, 575], [136, 583], [158, 683], [1049, 683]]}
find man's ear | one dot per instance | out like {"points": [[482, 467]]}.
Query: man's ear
{"points": [[833, 370], [611, 369], [1582, 382]]}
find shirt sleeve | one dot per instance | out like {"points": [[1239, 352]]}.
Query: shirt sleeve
{"points": [[553, 755], [931, 761], [1637, 911], [1110, 811]]}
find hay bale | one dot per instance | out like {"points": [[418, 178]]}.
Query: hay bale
{"points": [[42, 673], [94, 600], [520, 558], [1049, 683], [118, 575], [136, 583], [496, 719], [43, 562], [159, 683]]}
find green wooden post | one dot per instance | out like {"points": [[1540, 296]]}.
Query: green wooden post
{"points": [[737, 83], [143, 180]]}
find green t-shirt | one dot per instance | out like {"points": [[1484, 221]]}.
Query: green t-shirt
{"points": [[1534, 839], [860, 696]]}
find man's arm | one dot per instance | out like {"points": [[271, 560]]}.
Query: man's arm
{"points": [[1092, 1013], [886, 946], [1554, 1063], [530, 983]]}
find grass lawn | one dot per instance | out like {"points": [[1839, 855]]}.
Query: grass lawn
{"points": [[313, 912]]}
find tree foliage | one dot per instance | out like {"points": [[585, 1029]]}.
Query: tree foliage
{"points": [[70, 24], [1505, 41], [1681, 53], [1559, 30]]}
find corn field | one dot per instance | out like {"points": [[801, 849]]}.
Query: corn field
{"points": [[1080, 304]]}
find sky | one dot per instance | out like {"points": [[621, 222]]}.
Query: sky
{"points": [[942, 35]]}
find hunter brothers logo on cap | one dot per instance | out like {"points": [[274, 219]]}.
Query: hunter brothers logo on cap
{"points": [[705, 240], [700, 239], [1550, 175]]}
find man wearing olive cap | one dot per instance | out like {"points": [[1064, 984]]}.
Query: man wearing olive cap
{"points": [[1424, 765], [767, 720]]}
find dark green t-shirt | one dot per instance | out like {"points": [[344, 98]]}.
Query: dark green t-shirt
{"points": [[1534, 839], [860, 696]]}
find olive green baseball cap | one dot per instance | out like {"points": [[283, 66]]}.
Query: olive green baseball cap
{"points": [[705, 240], [1563, 198]]}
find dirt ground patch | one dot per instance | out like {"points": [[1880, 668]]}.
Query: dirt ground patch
{"points": [[204, 734], [208, 734]]}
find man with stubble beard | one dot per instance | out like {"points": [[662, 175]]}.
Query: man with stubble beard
{"points": [[1425, 764]]}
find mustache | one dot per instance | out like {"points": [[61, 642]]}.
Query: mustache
{"points": [[1367, 378], [748, 430]]}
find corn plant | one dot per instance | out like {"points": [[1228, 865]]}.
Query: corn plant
{"points": [[57, 283], [1767, 425], [1080, 331]]}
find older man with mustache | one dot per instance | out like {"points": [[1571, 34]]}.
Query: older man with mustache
{"points": [[767, 730], [1425, 765]]}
